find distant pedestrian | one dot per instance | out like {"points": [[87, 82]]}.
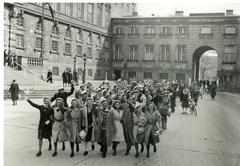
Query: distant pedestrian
{"points": [[64, 78], [14, 90], [49, 76], [45, 123], [75, 76], [69, 77], [5, 57]]}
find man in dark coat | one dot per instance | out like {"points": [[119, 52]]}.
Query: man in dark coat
{"points": [[63, 95], [64, 78], [127, 122], [14, 89], [69, 77], [49, 76]]}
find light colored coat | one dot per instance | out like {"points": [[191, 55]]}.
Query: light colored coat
{"points": [[119, 135]]}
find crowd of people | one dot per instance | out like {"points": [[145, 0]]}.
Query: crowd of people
{"points": [[134, 112]]}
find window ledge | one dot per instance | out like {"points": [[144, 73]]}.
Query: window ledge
{"points": [[20, 48], [230, 63], [67, 54], [55, 36], [54, 52], [79, 41], [38, 50], [21, 28], [89, 44], [165, 34], [183, 61], [67, 38]]}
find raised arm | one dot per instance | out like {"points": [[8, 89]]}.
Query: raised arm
{"points": [[34, 104], [71, 92], [54, 98]]}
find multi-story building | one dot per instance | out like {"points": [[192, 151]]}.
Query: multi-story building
{"points": [[170, 47], [79, 28]]}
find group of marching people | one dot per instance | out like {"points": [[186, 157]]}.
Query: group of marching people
{"points": [[134, 112]]}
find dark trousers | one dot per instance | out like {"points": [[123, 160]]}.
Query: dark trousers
{"points": [[49, 79], [104, 142]]}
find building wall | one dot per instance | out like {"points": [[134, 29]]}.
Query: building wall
{"points": [[193, 39], [32, 13]]}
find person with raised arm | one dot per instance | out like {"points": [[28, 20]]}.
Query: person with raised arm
{"points": [[45, 122]]}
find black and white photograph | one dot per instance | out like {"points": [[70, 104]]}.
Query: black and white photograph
{"points": [[120, 83]]}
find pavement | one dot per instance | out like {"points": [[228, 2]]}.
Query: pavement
{"points": [[210, 139]]}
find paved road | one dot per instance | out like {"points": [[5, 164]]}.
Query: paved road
{"points": [[210, 139]]}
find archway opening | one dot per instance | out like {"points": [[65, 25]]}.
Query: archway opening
{"points": [[204, 63]]}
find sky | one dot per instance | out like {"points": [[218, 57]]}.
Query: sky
{"points": [[168, 8]]}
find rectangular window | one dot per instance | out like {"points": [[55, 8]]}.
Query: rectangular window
{"points": [[118, 52], [55, 71], [150, 30], [90, 38], [230, 54], [39, 26], [181, 51], [98, 54], [133, 52], [163, 76], [98, 73], [38, 43], [149, 49], [20, 40], [80, 10], [79, 50], [133, 30], [230, 30], [164, 52], [69, 9], [67, 48], [99, 41], [89, 52], [68, 33], [166, 30], [99, 15], [206, 30], [118, 30], [79, 36], [147, 75], [180, 76], [182, 30], [58, 7], [89, 72], [54, 45], [107, 17], [90, 13]]}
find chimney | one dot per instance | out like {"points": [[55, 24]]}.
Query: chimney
{"points": [[178, 13], [134, 13], [229, 12]]}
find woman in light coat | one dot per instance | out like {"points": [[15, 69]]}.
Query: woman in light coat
{"points": [[119, 135], [74, 117], [152, 127], [59, 131], [139, 121]]}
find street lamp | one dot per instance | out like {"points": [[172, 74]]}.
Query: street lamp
{"points": [[84, 68]]}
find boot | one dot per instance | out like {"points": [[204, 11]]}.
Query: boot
{"points": [[63, 146], [142, 148], [128, 149], [72, 149], [137, 153], [38, 154], [148, 147], [77, 147], [154, 148]]}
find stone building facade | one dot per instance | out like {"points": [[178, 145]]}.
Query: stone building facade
{"points": [[170, 47], [80, 28]]}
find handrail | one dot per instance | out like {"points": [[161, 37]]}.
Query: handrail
{"points": [[26, 68]]}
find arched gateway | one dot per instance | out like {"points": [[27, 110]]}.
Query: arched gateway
{"points": [[196, 60]]}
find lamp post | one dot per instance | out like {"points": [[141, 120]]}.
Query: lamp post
{"points": [[84, 68]]}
